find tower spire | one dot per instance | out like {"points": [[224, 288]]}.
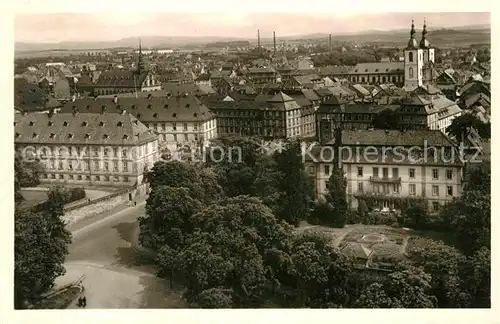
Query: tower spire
{"points": [[412, 31], [140, 62], [424, 31], [258, 40]]}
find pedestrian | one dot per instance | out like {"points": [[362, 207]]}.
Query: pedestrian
{"points": [[84, 302], [80, 301], [135, 203]]}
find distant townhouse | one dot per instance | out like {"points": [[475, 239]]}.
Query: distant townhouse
{"points": [[178, 120], [383, 166], [120, 81], [262, 75], [271, 117], [377, 73], [88, 149]]}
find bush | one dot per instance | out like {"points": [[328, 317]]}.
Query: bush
{"points": [[71, 194], [388, 219]]}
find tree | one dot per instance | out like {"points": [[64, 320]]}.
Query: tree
{"points": [[336, 197], [469, 218], [214, 298], [462, 126], [201, 183], [407, 287], [41, 245], [297, 192], [26, 174], [386, 119], [443, 263], [475, 274], [168, 218], [417, 217]]}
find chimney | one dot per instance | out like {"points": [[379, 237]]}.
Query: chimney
{"points": [[330, 43], [115, 99], [123, 112], [274, 42], [258, 40]]}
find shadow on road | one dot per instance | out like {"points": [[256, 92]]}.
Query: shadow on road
{"points": [[127, 231]]}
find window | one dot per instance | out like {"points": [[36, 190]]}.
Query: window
{"points": [[435, 206], [449, 190], [61, 176], [60, 166], [395, 188], [79, 177], [449, 174], [195, 126], [435, 174], [87, 177], [375, 172], [174, 126], [395, 172], [70, 165], [435, 190], [96, 151], [360, 171], [116, 179], [412, 173], [106, 166], [125, 179], [185, 126], [125, 166], [71, 177], [115, 166], [96, 165], [106, 151], [52, 176], [85, 165], [360, 186], [413, 189], [385, 173], [98, 178], [410, 72], [311, 169], [45, 176], [115, 151], [185, 137], [106, 178], [175, 137], [410, 57], [124, 153], [327, 170]]}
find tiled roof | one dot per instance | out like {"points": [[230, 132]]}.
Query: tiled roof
{"points": [[380, 137], [121, 78], [311, 94], [306, 79], [362, 90], [67, 128], [154, 109], [280, 97], [334, 70], [378, 68], [261, 70]]}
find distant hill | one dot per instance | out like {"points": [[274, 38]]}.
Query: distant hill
{"points": [[231, 44], [459, 36]]}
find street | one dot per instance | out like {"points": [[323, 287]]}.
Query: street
{"points": [[114, 276]]}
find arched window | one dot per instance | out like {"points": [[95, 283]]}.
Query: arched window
{"points": [[410, 57], [383, 79], [410, 72], [393, 79], [363, 79]]}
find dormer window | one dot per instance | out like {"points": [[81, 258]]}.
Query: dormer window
{"points": [[165, 106], [120, 124], [15, 123], [138, 115], [118, 107], [18, 134], [376, 70], [195, 115], [356, 70], [84, 124], [136, 122], [50, 123], [87, 136], [35, 135], [125, 136], [187, 105], [174, 115], [88, 107], [366, 70], [52, 135], [101, 123], [70, 136], [105, 136], [134, 107], [150, 106], [32, 123], [386, 70], [155, 115], [65, 123]]}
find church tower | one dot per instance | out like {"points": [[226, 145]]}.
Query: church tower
{"points": [[140, 62], [428, 74], [413, 61]]}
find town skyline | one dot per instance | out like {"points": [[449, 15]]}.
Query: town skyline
{"points": [[53, 28]]}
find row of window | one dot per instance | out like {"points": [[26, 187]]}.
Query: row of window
{"points": [[76, 165], [393, 79], [80, 177], [163, 127], [412, 189], [78, 151], [395, 172]]}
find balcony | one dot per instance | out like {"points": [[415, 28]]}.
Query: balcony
{"points": [[386, 179]]}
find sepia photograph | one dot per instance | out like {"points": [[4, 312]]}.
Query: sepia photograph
{"points": [[252, 160]]}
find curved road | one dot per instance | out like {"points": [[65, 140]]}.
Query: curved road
{"points": [[115, 277]]}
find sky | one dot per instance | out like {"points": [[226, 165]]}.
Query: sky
{"points": [[56, 27]]}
